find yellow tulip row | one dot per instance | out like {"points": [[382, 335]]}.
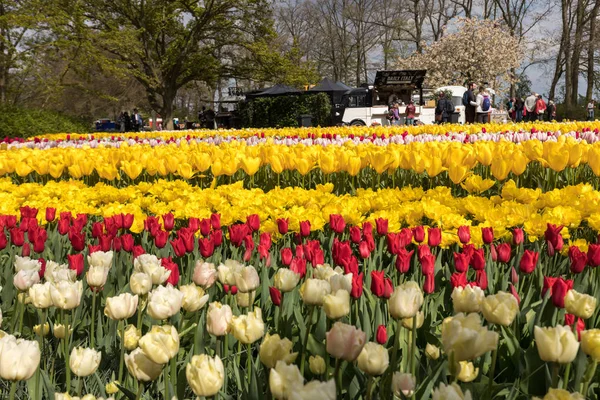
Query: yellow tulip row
{"points": [[528, 208], [347, 131], [193, 159]]}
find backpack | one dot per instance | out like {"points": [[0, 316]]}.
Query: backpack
{"points": [[465, 99], [486, 104], [449, 107]]}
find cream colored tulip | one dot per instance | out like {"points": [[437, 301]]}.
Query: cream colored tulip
{"points": [[218, 318], [274, 349], [19, 359], [151, 266], [406, 300], [560, 394], [39, 331], [248, 328], [61, 274], [121, 307], [205, 375], [579, 304], [337, 305], [111, 387], [286, 280], [432, 351], [140, 283], [500, 308], [141, 367], [464, 336], [408, 322], [316, 364], [193, 297], [590, 343], [66, 295], [247, 279], [244, 299], [26, 278], [60, 331], [227, 270], [164, 302], [403, 383], [325, 272], [40, 295], [96, 276], [373, 359], [345, 341], [83, 361], [160, 344], [450, 392], [468, 372], [341, 281], [467, 299], [132, 337], [26, 264], [313, 291], [284, 380], [205, 274], [557, 344], [315, 390], [100, 259]]}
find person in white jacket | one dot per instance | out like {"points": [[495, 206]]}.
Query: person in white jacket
{"points": [[484, 107]]}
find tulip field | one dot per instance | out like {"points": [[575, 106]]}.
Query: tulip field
{"points": [[432, 262]]}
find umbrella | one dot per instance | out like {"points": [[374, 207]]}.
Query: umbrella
{"points": [[327, 85], [278, 90]]}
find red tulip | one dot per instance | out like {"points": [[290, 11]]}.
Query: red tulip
{"points": [[461, 262], [481, 279], [493, 252], [97, 229], [178, 247], [187, 236], [514, 292], [351, 265], [464, 234], [111, 225], [17, 237], [116, 243], [215, 221], [304, 228], [578, 260], [217, 237], [370, 241], [10, 221], [168, 221], [548, 284], [169, 265], [382, 226], [478, 260], [50, 214], [419, 234], [286, 256], [127, 242], [337, 223], [434, 237], [76, 262], [249, 245], [363, 250], [253, 222], [226, 289], [80, 221], [357, 285], [427, 264], [28, 212], [26, 250], [341, 252], [422, 251], [77, 240], [38, 239], [206, 246], [355, 234], [93, 248], [528, 261], [388, 288], [570, 321], [298, 265], [393, 242], [282, 225], [514, 277], [403, 260], [233, 290], [194, 225], [160, 239], [3, 240], [406, 236], [377, 283], [237, 233], [205, 227], [593, 255], [518, 236], [42, 270], [503, 251], [559, 291], [381, 335], [429, 284], [118, 222], [553, 236], [458, 279], [63, 226], [367, 229], [127, 221], [152, 225], [275, 295], [138, 251], [318, 257], [487, 234]]}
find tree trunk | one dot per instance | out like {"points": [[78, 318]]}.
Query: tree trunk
{"points": [[590, 55], [577, 50], [566, 37]]}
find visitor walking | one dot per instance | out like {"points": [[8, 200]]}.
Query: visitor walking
{"points": [[510, 107], [590, 110], [395, 114], [519, 110], [410, 113], [551, 110], [126, 122], [121, 121], [470, 102], [136, 120], [540, 108], [484, 106], [444, 109], [530, 103]]}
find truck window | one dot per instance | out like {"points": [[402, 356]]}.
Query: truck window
{"points": [[357, 100]]}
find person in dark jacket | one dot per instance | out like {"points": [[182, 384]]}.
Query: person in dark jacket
{"points": [[519, 110], [127, 121], [444, 109], [471, 107]]}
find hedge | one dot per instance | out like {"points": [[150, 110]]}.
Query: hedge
{"points": [[23, 122], [283, 111]]}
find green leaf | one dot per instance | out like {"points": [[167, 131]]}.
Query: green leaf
{"points": [[316, 347], [130, 395], [426, 387]]}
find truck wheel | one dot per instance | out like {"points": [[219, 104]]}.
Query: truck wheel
{"points": [[357, 122]]}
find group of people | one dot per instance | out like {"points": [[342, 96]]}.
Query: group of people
{"points": [[534, 108], [478, 107], [130, 123], [394, 113]]}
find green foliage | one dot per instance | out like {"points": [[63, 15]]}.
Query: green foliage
{"points": [[283, 111], [21, 122], [572, 113]]}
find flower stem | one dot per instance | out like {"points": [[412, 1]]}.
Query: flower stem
{"points": [[338, 381], [67, 349], [166, 381], [79, 387], [93, 338], [368, 395], [122, 359], [249, 364], [13, 390], [589, 375], [305, 343], [225, 350], [555, 370], [492, 371], [139, 391], [413, 348]]}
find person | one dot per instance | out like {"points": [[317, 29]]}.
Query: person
{"points": [[484, 105], [210, 119], [136, 120], [551, 110], [530, 103], [470, 103], [126, 122], [121, 121], [519, 110], [510, 108], [410, 113], [590, 110], [202, 117], [395, 114], [444, 109], [540, 108]]}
